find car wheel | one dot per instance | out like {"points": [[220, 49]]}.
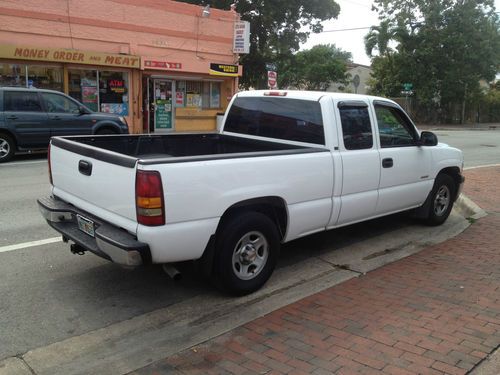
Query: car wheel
{"points": [[7, 148], [442, 197], [247, 249]]}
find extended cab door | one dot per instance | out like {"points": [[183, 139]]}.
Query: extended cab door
{"points": [[360, 162], [405, 178], [25, 117]]}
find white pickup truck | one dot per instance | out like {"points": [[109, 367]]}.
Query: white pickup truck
{"points": [[285, 164]]}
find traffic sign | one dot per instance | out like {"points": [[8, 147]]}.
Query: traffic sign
{"points": [[271, 66], [407, 86], [272, 79]]}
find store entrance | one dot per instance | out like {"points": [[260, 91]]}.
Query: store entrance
{"points": [[158, 108], [163, 116]]}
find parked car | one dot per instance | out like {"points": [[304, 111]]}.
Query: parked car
{"points": [[285, 164], [29, 117]]}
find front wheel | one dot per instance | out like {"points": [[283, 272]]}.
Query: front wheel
{"points": [[7, 148], [247, 249], [441, 198]]}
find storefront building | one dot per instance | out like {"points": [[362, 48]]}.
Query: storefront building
{"points": [[166, 66]]}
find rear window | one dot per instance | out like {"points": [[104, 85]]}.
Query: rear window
{"points": [[281, 118]]}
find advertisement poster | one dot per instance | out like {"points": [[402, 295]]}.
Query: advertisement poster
{"points": [[89, 97], [179, 99], [116, 108], [193, 100], [163, 114]]}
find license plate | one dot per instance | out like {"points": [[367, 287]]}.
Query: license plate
{"points": [[85, 225]]}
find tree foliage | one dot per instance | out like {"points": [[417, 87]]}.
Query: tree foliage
{"points": [[444, 48], [278, 27], [315, 69]]}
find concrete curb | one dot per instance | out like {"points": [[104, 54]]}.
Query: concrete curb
{"points": [[468, 209]]}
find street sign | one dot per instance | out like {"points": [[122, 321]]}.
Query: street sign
{"points": [[272, 80], [407, 86], [407, 92], [271, 66]]}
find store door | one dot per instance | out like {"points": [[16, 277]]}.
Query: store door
{"points": [[163, 105]]}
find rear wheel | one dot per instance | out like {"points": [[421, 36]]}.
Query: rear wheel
{"points": [[247, 249], [7, 148], [441, 198]]}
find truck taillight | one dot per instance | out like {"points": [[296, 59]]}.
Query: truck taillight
{"points": [[50, 168], [149, 200]]}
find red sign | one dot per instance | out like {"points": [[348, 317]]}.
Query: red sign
{"points": [[272, 79], [162, 64]]}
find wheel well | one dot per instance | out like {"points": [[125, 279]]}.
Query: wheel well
{"points": [[107, 127], [272, 207], [453, 172], [11, 136]]}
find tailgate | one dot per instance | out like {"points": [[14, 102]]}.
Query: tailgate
{"points": [[98, 185]]}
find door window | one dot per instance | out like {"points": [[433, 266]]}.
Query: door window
{"points": [[356, 128], [59, 104], [22, 101], [395, 130]]}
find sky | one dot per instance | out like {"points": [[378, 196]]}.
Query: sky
{"points": [[353, 14]]}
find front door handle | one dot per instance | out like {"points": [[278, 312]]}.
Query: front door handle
{"points": [[387, 163], [12, 117]]}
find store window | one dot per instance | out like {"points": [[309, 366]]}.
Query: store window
{"points": [[13, 75], [113, 92], [198, 94], [83, 87], [45, 77]]}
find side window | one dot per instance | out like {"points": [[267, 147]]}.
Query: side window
{"points": [[21, 101], [356, 128], [394, 128], [59, 104]]}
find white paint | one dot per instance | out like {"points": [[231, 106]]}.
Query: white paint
{"points": [[26, 245]]}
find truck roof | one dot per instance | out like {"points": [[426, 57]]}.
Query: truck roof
{"points": [[311, 95]]}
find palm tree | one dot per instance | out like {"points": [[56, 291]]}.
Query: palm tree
{"points": [[378, 38]]}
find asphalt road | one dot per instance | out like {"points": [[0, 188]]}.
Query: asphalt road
{"points": [[48, 294]]}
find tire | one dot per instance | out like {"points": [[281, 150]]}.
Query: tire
{"points": [[246, 252], [7, 148], [441, 199]]}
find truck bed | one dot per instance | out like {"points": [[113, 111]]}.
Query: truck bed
{"points": [[167, 148]]}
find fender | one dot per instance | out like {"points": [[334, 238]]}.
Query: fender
{"points": [[106, 124]]}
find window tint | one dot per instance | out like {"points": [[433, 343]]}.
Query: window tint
{"points": [[282, 118], [394, 128], [21, 101], [356, 128], [59, 104]]}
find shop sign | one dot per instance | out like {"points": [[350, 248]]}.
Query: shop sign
{"points": [[241, 41], [117, 85], [162, 65], [224, 70], [68, 56]]}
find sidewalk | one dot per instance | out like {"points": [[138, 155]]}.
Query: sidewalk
{"points": [[436, 312]]}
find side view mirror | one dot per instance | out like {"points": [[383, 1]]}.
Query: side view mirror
{"points": [[83, 110], [428, 139]]}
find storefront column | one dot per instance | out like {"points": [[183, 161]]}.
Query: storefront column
{"points": [[65, 79]]}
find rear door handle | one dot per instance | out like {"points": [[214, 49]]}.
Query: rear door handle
{"points": [[12, 117], [387, 163]]}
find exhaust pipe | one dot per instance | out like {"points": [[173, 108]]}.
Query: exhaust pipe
{"points": [[172, 272]]}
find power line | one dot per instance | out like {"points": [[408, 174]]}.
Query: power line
{"points": [[351, 29]]}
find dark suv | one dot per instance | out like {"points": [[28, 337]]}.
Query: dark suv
{"points": [[29, 117]]}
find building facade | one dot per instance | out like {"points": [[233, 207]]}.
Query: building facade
{"points": [[359, 80], [164, 65]]}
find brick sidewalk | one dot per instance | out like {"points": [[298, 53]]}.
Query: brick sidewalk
{"points": [[436, 312]]}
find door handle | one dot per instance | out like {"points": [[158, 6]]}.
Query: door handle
{"points": [[85, 167], [387, 163], [12, 117]]}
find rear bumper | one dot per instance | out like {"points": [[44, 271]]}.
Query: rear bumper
{"points": [[109, 241]]}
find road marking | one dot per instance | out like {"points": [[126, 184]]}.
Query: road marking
{"points": [[25, 245], [482, 166], [23, 163]]}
